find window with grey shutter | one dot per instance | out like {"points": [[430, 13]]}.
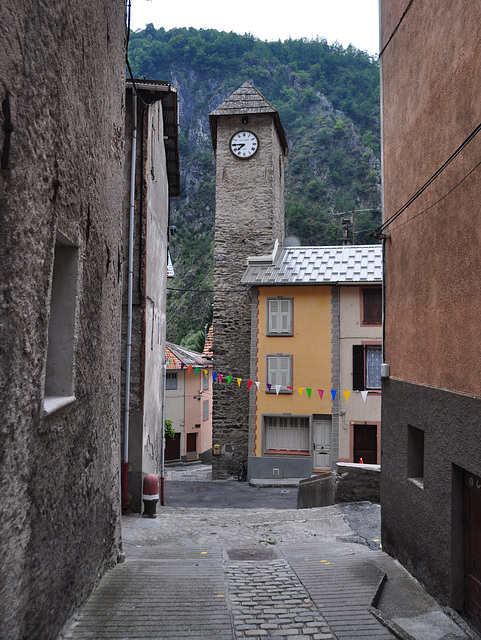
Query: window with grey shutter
{"points": [[279, 316], [279, 372]]}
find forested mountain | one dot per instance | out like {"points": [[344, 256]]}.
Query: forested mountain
{"points": [[328, 101]]}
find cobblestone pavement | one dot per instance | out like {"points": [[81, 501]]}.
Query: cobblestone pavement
{"points": [[268, 600]]}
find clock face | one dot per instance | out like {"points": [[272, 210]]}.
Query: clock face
{"points": [[244, 144]]}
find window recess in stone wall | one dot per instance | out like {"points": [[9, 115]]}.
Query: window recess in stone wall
{"points": [[415, 461], [279, 316], [59, 387]]}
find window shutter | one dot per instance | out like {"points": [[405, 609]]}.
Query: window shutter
{"points": [[372, 299], [285, 316], [358, 367], [273, 316], [284, 376]]}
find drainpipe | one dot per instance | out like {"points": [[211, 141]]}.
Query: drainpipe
{"points": [[162, 454], [125, 456]]}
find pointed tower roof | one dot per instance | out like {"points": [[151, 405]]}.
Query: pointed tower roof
{"points": [[246, 100]]}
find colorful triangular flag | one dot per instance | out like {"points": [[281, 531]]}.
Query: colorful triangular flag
{"points": [[214, 376], [278, 388], [333, 394], [229, 378], [197, 369], [258, 384], [364, 395], [219, 375], [300, 389], [268, 386], [320, 392], [249, 384], [189, 368], [239, 380], [308, 391], [346, 395]]}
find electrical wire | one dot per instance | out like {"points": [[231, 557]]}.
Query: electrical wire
{"points": [[396, 27], [206, 290], [129, 11], [440, 199], [379, 230]]}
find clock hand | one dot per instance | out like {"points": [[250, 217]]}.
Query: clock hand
{"points": [[239, 145]]}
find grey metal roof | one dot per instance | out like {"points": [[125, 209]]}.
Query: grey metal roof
{"points": [[244, 101], [179, 356], [349, 264]]}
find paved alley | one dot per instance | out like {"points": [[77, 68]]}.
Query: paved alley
{"points": [[239, 573]]}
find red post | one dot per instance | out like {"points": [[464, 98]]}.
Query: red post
{"points": [[150, 495]]}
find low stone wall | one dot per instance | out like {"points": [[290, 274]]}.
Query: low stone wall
{"points": [[355, 482], [349, 483]]}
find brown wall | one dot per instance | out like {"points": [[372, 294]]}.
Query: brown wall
{"points": [[62, 67], [430, 105]]}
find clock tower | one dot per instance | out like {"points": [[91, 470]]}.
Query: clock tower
{"points": [[250, 149]]}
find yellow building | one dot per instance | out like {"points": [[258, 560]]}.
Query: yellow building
{"points": [[316, 353]]}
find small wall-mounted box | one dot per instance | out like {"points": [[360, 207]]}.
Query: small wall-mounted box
{"points": [[384, 370], [216, 450]]}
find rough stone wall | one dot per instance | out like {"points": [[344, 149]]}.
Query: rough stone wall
{"points": [[149, 294], [62, 78], [249, 217]]}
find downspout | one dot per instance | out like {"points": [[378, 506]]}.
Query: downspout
{"points": [[125, 457], [162, 453]]}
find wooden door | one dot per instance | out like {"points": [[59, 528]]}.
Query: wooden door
{"points": [[365, 443], [172, 448], [191, 453], [472, 548], [322, 445]]}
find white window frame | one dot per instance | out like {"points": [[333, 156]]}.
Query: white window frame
{"points": [[287, 433], [279, 372], [279, 313], [373, 366]]}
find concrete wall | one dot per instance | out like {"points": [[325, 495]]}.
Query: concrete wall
{"points": [[355, 410], [195, 396], [422, 524], [430, 99], [149, 292], [175, 405], [62, 76], [249, 217]]}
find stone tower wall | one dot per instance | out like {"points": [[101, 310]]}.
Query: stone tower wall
{"points": [[249, 218]]}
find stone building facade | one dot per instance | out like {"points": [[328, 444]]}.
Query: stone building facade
{"points": [[249, 217], [431, 412], [156, 177], [62, 87]]}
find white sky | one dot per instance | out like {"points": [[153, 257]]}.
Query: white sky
{"points": [[353, 22]]}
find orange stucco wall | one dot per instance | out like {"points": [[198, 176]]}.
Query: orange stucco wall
{"points": [[433, 259], [311, 346]]}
